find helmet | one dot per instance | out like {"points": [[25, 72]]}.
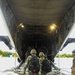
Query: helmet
{"points": [[33, 51], [41, 54]]}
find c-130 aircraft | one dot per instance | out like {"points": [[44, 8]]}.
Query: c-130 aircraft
{"points": [[38, 16]]}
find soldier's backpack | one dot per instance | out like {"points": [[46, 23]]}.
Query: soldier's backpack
{"points": [[34, 64], [46, 65]]}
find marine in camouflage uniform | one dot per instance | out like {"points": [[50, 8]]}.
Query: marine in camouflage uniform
{"points": [[41, 59], [27, 62]]}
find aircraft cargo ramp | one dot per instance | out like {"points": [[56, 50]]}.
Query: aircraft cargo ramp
{"points": [[20, 72]]}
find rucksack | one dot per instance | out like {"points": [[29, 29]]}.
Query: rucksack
{"points": [[46, 65], [34, 64]]}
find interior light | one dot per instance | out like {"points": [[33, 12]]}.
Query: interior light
{"points": [[21, 25], [52, 27]]}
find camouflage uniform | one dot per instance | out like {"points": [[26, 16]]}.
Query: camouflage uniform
{"points": [[42, 57], [27, 62]]}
